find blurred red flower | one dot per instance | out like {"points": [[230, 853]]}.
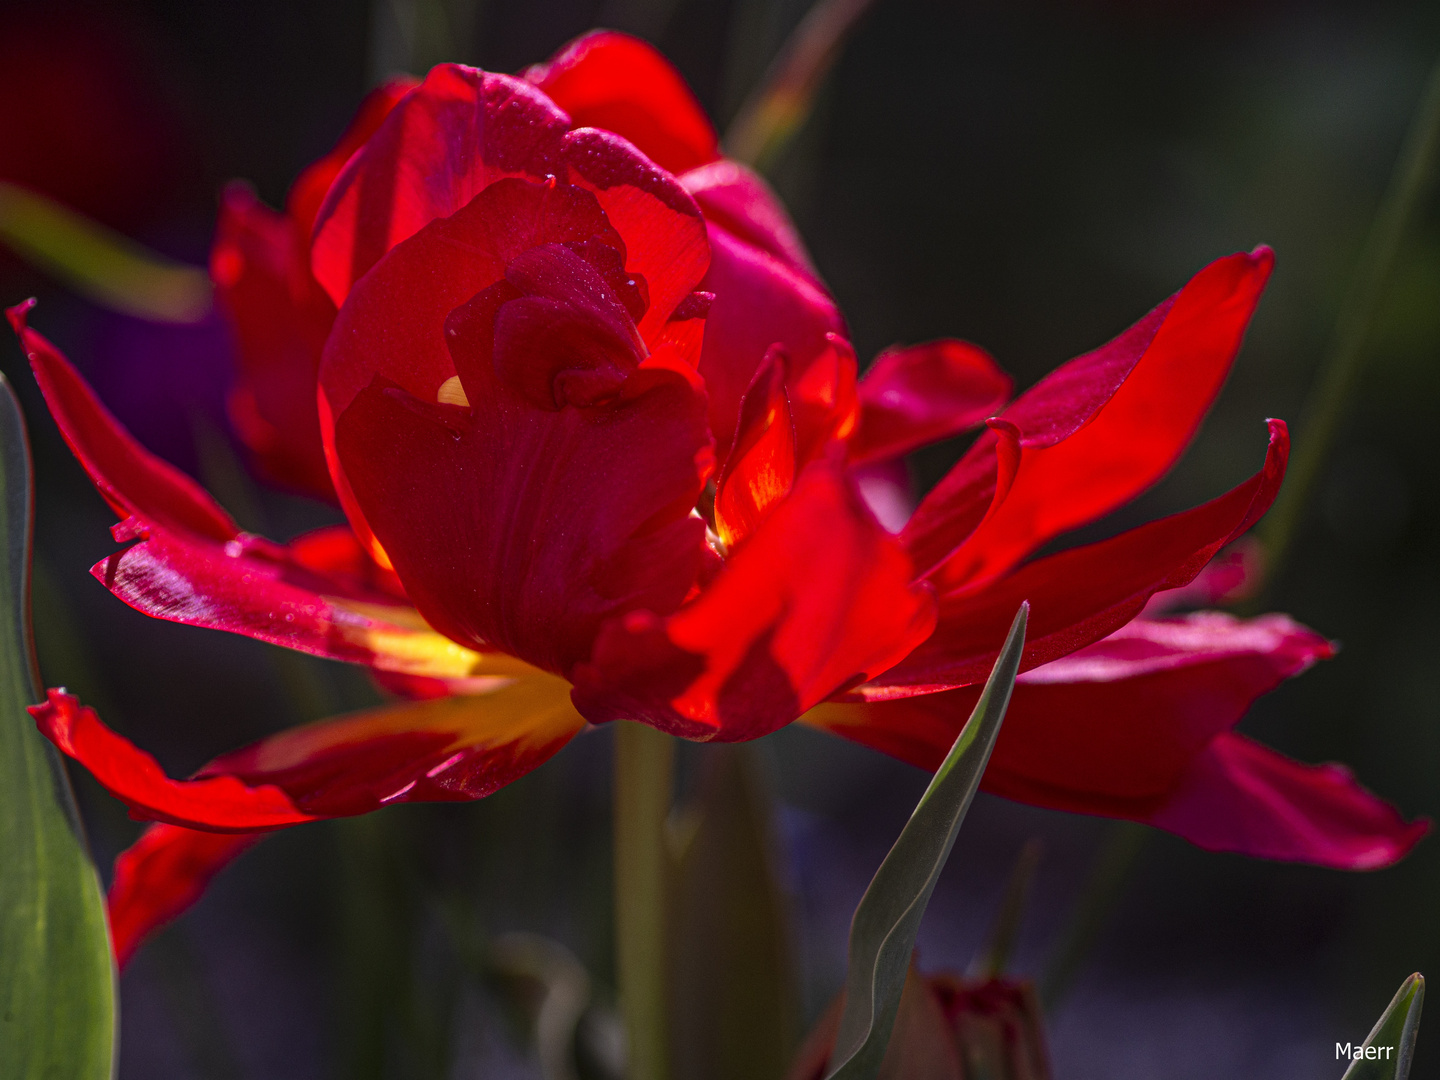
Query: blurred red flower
{"points": [[596, 430]]}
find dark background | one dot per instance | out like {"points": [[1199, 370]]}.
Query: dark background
{"points": [[1032, 176]]}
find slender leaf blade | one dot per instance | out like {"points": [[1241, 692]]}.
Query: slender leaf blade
{"points": [[99, 263], [1395, 1032], [57, 975], [882, 933]]}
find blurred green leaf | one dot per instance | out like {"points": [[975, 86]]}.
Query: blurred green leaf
{"points": [[732, 986], [882, 934], [99, 263], [1001, 941], [1394, 1031], [57, 975], [774, 113]]}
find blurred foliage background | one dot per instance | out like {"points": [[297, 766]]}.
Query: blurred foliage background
{"points": [[1032, 176]]}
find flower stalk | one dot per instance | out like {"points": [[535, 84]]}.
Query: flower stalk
{"points": [[644, 782]]}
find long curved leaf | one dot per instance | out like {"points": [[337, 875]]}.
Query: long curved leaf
{"points": [[57, 976], [1392, 1037], [882, 934]]}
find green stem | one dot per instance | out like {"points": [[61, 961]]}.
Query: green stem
{"points": [[644, 781], [1355, 325]]}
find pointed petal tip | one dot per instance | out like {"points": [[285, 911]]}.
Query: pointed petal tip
{"points": [[18, 314]]}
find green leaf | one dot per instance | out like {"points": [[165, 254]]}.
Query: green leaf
{"points": [[99, 263], [1393, 1036], [882, 934], [732, 984], [57, 975]]}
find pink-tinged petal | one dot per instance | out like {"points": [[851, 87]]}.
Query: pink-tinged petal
{"points": [[760, 301], [1244, 797], [161, 875], [914, 396], [443, 750], [1231, 576], [133, 481], [1081, 595], [440, 146], [622, 84], [738, 200], [279, 318], [760, 468], [1137, 726], [220, 803], [819, 599], [312, 185], [525, 527], [1093, 434], [242, 591]]}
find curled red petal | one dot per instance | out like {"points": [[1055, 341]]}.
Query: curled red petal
{"points": [[220, 803], [135, 482], [922, 393], [1081, 595], [760, 468], [441, 145], [279, 318], [161, 875], [446, 749], [1241, 796], [1093, 434], [622, 84], [820, 598], [1137, 726]]}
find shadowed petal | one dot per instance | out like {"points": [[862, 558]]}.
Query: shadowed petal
{"points": [[917, 395], [1137, 726]]}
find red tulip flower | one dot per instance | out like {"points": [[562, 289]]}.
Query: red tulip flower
{"points": [[596, 427]]}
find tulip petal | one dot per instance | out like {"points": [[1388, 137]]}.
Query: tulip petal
{"points": [[1092, 435], [160, 875], [525, 528], [223, 803], [136, 483], [760, 468], [820, 598], [914, 396], [760, 301], [1241, 796], [1081, 595], [737, 199], [170, 578], [279, 318], [1137, 726], [440, 750], [622, 84]]}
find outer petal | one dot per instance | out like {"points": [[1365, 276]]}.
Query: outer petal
{"points": [[1093, 434], [1137, 726], [1280, 809], [917, 395], [738, 200], [445, 750], [524, 528], [1081, 595], [280, 318], [820, 598], [135, 482], [623, 84], [162, 874]]}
